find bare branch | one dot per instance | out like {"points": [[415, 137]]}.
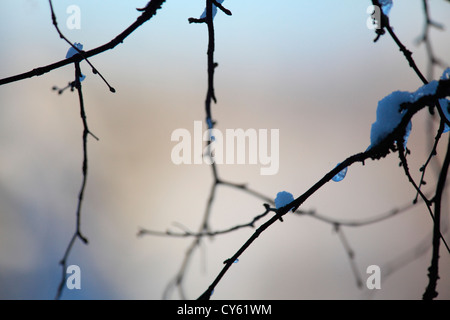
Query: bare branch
{"points": [[148, 12], [433, 275], [77, 234]]}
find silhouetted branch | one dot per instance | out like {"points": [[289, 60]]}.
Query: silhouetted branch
{"points": [[61, 35], [430, 292], [408, 55], [425, 38], [427, 202], [210, 97], [77, 233], [390, 143], [378, 151], [336, 223], [384, 24], [432, 154], [148, 12], [393, 142], [177, 281], [221, 7], [205, 233], [203, 19], [350, 255]]}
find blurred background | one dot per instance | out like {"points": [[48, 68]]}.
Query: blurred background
{"points": [[307, 68]]}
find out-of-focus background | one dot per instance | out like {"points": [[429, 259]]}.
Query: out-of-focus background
{"points": [[307, 68]]}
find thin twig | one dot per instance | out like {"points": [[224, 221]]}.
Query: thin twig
{"points": [[148, 12], [77, 233], [375, 152], [384, 24], [431, 155], [205, 233], [221, 7], [425, 38], [411, 180], [350, 255], [433, 274], [62, 36], [210, 97]]}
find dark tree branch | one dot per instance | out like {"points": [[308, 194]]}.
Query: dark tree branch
{"points": [[205, 233], [221, 7], [204, 20], [148, 12], [336, 223], [428, 202], [315, 215], [433, 275], [350, 254], [61, 35], [384, 24], [207, 294], [210, 97], [393, 142], [432, 154], [425, 38], [382, 149], [177, 281], [376, 152], [406, 53], [77, 234]]}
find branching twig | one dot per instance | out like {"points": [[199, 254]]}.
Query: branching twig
{"points": [[336, 223], [61, 35], [430, 292], [384, 24], [210, 97], [428, 202], [205, 233], [375, 152], [350, 254], [393, 142], [432, 154], [204, 228], [221, 7], [425, 38], [77, 233]]}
